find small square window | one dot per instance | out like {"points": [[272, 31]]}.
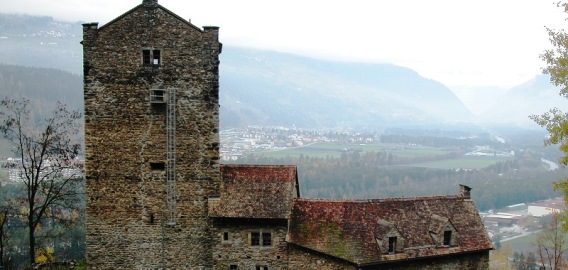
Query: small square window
{"points": [[157, 95], [233, 267], [262, 267], [151, 57]]}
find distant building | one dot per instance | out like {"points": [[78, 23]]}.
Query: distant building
{"points": [[503, 219], [157, 197], [547, 207]]}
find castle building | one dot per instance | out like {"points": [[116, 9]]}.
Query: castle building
{"points": [[157, 197]]}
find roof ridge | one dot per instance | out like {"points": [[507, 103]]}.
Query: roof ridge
{"points": [[259, 165], [388, 199]]}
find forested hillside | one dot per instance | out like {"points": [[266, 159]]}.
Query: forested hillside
{"points": [[43, 86], [373, 175]]}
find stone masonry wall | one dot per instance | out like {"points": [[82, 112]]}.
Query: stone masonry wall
{"points": [[301, 258], [472, 261], [236, 250], [126, 137]]}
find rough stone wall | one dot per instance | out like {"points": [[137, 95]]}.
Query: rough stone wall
{"points": [[472, 261], [301, 258], [237, 250], [125, 133]]}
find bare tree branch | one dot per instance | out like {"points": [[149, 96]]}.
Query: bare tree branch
{"points": [[47, 148]]}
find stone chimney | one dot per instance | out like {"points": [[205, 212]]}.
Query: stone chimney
{"points": [[465, 191], [149, 3]]}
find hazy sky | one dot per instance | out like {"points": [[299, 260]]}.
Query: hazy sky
{"points": [[459, 43]]}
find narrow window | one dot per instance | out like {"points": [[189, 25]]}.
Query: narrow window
{"points": [[156, 57], [266, 239], [447, 238], [255, 239], [233, 267], [261, 267], [392, 244], [146, 58], [225, 236], [157, 166]]}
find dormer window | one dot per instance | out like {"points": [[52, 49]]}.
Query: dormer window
{"points": [[151, 57], [442, 231], [392, 244], [447, 238], [388, 237]]}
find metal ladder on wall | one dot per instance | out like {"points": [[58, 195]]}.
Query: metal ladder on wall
{"points": [[171, 158]]}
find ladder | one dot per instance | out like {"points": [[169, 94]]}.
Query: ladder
{"points": [[171, 158]]}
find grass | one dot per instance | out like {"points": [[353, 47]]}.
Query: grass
{"points": [[522, 244], [462, 163], [334, 150]]}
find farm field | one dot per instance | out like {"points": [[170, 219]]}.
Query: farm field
{"points": [[524, 243], [436, 155], [335, 150], [462, 163]]}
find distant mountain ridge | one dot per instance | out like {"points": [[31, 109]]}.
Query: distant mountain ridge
{"points": [[270, 88], [41, 42], [285, 89], [535, 96]]}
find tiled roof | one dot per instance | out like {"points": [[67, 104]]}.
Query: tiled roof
{"points": [[347, 229], [254, 191]]}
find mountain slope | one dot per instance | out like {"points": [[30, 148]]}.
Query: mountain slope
{"points": [[535, 96], [284, 89], [266, 88], [43, 86], [40, 42]]}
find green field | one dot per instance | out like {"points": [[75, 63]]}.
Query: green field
{"points": [[462, 163], [334, 150], [522, 244]]}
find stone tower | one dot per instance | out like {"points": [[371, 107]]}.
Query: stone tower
{"points": [[152, 144]]}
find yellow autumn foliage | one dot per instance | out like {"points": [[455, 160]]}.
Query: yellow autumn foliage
{"points": [[44, 255]]}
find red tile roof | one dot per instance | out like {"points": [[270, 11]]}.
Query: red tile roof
{"points": [[255, 191], [346, 229]]}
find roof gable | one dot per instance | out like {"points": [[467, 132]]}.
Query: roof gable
{"points": [[438, 224], [151, 5]]}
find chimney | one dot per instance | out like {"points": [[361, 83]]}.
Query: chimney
{"points": [[149, 3], [465, 191]]}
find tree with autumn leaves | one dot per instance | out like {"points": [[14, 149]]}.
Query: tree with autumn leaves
{"points": [[556, 121], [46, 147]]}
